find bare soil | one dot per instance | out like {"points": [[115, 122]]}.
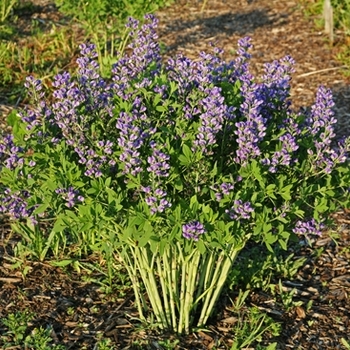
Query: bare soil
{"points": [[277, 28]]}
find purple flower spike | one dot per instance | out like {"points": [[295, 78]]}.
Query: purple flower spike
{"points": [[15, 204], [70, 195], [193, 230], [158, 162], [320, 126], [308, 227], [240, 210]]}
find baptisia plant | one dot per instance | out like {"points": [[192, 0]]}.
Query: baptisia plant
{"points": [[175, 164]]}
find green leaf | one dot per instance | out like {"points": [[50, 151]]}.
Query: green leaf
{"points": [[201, 246], [161, 109], [194, 202], [178, 184], [283, 244], [270, 191], [13, 118], [282, 219], [92, 190], [268, 246], [183, 160], [270, 238], [187, 152], [51, 185], [272, 346], [285, 192], [157, 99], [61, 263], [112, 195], [41, 208], [322, 206], [257, 173], [108, 182], [267, 227], [59, 225]]}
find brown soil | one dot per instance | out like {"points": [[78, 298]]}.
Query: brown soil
{"points": [[277, 28]]}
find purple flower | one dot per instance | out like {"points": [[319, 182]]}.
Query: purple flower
{"points": [[308, 227], [10, 154], [156, 199], [320, 126], [276, 84], [15, 204], [158, 162], [284, 156], [133, 132], [224, 189], [261, 102], [193, 230], [145, 51], [211, 119], [78, 103], [34, 87], [70, 195], [240, 66], [240, 210], [251, 130]]}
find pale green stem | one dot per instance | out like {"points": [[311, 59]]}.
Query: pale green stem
{"points": [[191, 284], [171, 284], [182, 290], [202, 279], [156, 297], [131, 268], [224, 271], [162, 279], [209, 270], [146, 270], [209, 290]]}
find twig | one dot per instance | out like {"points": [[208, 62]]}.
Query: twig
{"points": [[320, 71]]}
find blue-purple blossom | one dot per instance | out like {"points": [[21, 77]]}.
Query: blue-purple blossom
{"points": [[35, 88], [78, 104], [190, 75], [240, 210], [133, 131], [70, 195], [276, 84], [320, 125], [158, 168], [186, 73], [15, 204], [193, 230], [308, 227], [284, 156], [261, 101], [251, 130], [224, 189], [212, 119], [156, 199], [145, 51], [10, 153], [240, 65], [158, 162]]}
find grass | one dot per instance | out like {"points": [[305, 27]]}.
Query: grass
{"points": [[341, 21], [18, 333], [44, 48]]}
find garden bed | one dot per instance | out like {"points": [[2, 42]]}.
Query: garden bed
{"points": [[81, 311]]}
